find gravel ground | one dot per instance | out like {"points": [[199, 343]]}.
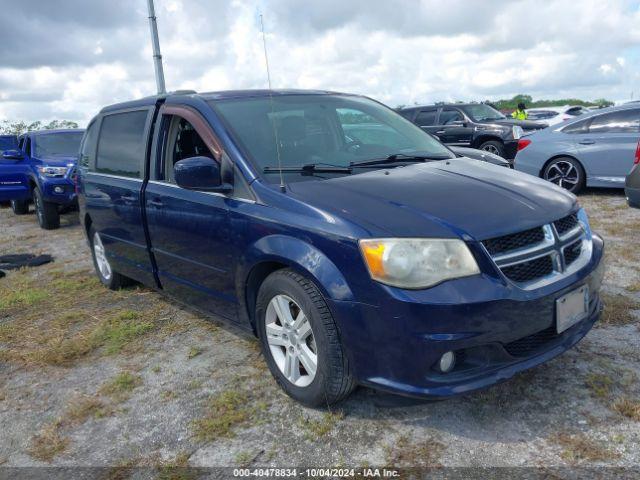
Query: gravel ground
{"points": [[90, 377]]}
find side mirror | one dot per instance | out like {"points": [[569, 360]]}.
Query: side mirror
{"points": [[200, 173], [12, 155]]}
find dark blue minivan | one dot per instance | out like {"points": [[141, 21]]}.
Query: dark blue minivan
{"points": [[356, 247]]}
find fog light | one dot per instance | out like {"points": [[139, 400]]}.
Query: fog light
{"points": [[447, 362], [58, 190]]}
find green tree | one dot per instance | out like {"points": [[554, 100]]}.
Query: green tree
{"points": [[8, 127]]}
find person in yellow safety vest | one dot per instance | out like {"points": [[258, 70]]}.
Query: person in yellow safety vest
{"points": [[520, 113]]}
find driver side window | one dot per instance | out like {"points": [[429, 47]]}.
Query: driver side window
{"points": [[182, 141]]}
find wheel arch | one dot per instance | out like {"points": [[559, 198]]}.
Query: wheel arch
{"points": [[485, 138], [276, 252], [562, 155]]}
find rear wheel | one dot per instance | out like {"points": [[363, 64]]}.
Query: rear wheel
{"points": [[106, 274], [300, 340], [47, 212], [20, 207], [566, 172], [493, 146]]}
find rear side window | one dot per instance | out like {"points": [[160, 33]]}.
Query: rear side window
{"points": [[578, 127], [624, 121], [426, 118], [122, 145]]}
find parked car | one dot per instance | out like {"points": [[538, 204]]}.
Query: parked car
{"points": [[381, 261], [554, 115], [632, 182], [41, 170], [474, 125], [594, 150]]}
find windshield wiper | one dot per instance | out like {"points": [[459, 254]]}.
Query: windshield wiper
{"points": [[309, 168], [399, 157]]}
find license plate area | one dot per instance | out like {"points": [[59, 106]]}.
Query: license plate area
{"points": [[571, 308]]}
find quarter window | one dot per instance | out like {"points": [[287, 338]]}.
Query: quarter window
{"points": [[122, 145], [624, 121]]}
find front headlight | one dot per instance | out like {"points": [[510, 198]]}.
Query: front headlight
{"points": [[47, 171], [417, 262], [518, 132]]}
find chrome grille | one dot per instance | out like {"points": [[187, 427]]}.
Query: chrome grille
{"points": [[535, 257]]}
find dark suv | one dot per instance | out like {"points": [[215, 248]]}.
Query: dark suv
{"points": [[475, 125]]}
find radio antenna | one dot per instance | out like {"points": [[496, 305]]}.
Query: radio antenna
{"points": [[273, 122]]}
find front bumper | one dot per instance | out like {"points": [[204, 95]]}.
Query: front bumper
{"points": [[495, 329], [59, 190]]}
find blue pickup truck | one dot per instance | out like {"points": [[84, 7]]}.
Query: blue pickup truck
{"points": [[378, 260], [41, 169]]}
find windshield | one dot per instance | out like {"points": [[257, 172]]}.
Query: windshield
{"points": [[482, 113], [329, 130], [63, 144]]}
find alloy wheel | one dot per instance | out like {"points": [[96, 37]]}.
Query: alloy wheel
{"points": [[564, 174], [101, 257], [491, 149], [39, 211], [291, 340]]}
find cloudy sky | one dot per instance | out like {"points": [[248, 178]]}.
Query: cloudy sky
{"points": [[64, 59]]}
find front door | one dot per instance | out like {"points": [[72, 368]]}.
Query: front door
{"points": [[189, 230], [14, 180], [453, 128]]}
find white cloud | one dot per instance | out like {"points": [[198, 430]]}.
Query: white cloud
{"points": [[398, 52]]}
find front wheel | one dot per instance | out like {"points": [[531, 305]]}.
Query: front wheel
{"points": [[20, 207], [565, 172], [300, 340], [47, 212]]}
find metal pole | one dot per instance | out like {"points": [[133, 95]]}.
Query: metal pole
{"points": [[157, 58]]}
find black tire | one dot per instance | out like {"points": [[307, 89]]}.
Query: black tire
{"points": [[46, 212], [333, 379], [115, 280], [493, 146], [20, 207], [574, 178]]}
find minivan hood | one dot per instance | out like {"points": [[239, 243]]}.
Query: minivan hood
{"points": [[449, 198]]}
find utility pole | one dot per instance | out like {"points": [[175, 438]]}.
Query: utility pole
{"points": [[157, 58]]}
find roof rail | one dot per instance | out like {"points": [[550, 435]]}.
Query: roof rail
{"points": [[183, 92]]}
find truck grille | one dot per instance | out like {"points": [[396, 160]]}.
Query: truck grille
{"points": [[535, 256]]}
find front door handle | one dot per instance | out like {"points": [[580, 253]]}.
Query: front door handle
{"points": [[440, 132], [587, 142], [156, 203], [128, 198]]}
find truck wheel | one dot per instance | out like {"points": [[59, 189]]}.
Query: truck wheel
{"points": [[109, 278], [20, 207], [300, 340], [47, 212], [493, 146]]}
